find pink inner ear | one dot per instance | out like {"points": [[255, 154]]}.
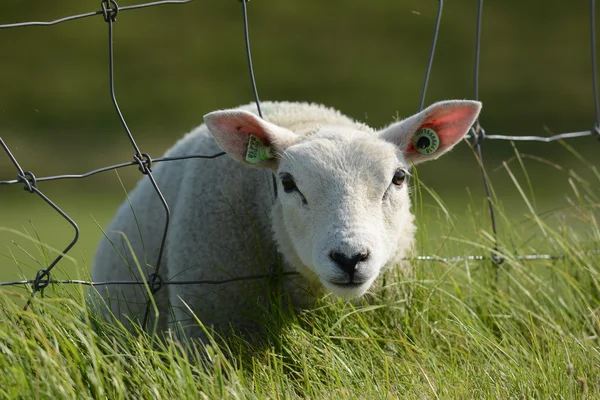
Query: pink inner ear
{"points": [[232, 132], [450, 122]]}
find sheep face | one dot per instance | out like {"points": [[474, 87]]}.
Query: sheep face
{"points": [[343, 210]]}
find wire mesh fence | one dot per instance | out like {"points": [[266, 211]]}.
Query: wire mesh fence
{"points": [[109, 10]]}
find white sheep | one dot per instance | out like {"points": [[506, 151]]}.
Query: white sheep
{"points": [[340, 217]]}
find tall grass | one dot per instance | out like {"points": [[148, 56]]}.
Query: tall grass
{"points": [[521, 329]]}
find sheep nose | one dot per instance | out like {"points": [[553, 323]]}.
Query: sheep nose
{"points": [[348, 264]]}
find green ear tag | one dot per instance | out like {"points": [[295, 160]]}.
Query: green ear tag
{"points": [[257, 151], [426, 141]]}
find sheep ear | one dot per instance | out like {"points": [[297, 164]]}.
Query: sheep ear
{"points": [[435, 130], [247, 138]]}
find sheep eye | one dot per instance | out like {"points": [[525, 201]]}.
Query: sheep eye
{"points": [[287, 181], [399, 177]]}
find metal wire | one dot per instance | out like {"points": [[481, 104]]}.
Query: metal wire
{"points": [[436, 30], [526, 257], [249, 56], [115, 166], [26, 177], [90, 14], [479, 135], [109, 11], [445, 260], [273, 180], [546, 139], [137, 282], [594, 65]]}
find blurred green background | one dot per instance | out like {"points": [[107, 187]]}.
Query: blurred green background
{"points": [[175, 63]]}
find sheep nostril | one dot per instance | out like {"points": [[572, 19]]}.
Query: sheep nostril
{"points": [[348, 264], [363, 256]]}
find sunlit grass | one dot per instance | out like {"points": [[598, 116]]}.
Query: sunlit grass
{"points": [[531, 332], [468, 329]]}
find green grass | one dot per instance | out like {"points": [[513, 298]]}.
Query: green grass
{"points": [[532, 335], [31, 232], [525, 329]]}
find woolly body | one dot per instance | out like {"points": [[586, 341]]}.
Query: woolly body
{"points": [[226, 221]]}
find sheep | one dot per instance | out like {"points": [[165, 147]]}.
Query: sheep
{"points": [[339, 214]]}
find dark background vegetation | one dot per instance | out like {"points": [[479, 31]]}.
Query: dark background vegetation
{"points": [[175, 63]]}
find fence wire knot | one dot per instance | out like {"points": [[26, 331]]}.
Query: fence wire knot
{"points": [[497, 260], [596, 130], [42, 280], [478, 134], [110, 9], [29, 180], [155, 282], [144, 162]]}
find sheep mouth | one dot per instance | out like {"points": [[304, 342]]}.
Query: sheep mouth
{"points": [[347, 285]]}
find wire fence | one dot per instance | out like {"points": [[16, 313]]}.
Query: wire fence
{"points": [[109, 10]]}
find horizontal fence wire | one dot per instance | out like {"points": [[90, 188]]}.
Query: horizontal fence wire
{"points": [[103, 12], [446, 260], [109, 10]]}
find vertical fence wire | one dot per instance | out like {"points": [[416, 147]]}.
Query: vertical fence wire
{"points": [[478, 137], [436, 30], [249, 56], [273, 181], [110, 10], [594, 66]]}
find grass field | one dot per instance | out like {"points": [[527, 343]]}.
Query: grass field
{"points": [[470, 330], [525, 329]]}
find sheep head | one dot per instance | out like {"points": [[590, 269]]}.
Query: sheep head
{"points": [[343, 212]]}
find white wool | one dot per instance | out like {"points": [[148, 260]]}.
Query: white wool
{"points": [[226, 222]]}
